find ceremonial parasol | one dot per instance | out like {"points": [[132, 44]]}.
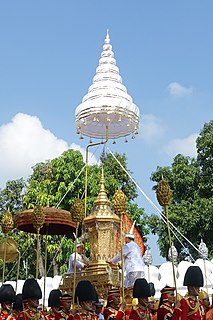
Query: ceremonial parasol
{"points": [[56, 222], [45, 221]]}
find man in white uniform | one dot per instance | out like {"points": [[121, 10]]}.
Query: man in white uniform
{"points": [[81, 260], [133, 260]]}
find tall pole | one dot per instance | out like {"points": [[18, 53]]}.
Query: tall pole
{"points": [[74, 268], [170, 247], [77, 213], [38, 219], [122, 260], [45, 270], [120, 206]]}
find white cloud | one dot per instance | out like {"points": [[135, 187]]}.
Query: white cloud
{"points": [[185, 146], [177, 90], [23, 143], [151, 128]]}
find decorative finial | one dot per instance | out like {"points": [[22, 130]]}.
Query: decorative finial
{"points": [[119, 202], [107, 39], [77, 210], [174, 253], [7, 222], [147, 257], [203, 250]]}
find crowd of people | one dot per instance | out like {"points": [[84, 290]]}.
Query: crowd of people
{"points": [[194, 306]]}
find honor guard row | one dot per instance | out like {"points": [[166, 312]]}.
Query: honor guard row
{"points": [[194, 306]]}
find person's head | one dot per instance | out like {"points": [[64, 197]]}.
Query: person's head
{"points": [[113, 298], [54, 299], [80, 248], [168, 295], [7, 297], [33, 302], [17, 304], [204, 299], [65, 302], [128, 239], [86, 295], [193, 279], [141, 290], [99, 306], [152, 302], [31, 292], [130, 235]]}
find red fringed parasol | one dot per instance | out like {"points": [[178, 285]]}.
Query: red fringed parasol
{"points": [[57, 222]]}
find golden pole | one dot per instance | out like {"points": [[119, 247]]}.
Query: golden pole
{"points": [[74, 268], [170, 247], [77, 214], [18, 269], [122, 260], [4, 260], [86, 168], [38, 219], [45, 271], [6, 225], [120, 206], [37, 254]]}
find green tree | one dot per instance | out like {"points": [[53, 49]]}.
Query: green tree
{"points": [[11, 196], [57, 183], [192, 205]]}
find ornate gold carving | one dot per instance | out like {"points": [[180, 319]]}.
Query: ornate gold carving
{"points": [[38, 217], [7, 222], [164, 193], [77, 210], [119, 202]]}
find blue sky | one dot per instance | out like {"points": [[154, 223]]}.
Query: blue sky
{"points": [[49, 54]]}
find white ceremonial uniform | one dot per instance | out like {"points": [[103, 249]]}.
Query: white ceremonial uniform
{"points": [[133, 263], [81, 260]]}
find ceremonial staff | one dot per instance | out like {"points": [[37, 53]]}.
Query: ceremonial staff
{"points": [[164, 196], [8, 247], [120, 206], [38, 219], [7, 225], [77, 213]]}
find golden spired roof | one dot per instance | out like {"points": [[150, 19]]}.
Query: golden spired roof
{"points": [[102, 198], [102, 208]]}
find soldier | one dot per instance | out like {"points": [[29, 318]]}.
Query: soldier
{"points": [[209, 314], [166, 309], [99, 306], [133, 260], [7, 296], [141, 291], [31, 293], [81, 259], [86, 297], [17, 305], [53, 303], [204, 302], [190, 304], [114, 310], [65, 305]]}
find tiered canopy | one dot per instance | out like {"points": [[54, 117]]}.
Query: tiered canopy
{"points": [[107, 107]]}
